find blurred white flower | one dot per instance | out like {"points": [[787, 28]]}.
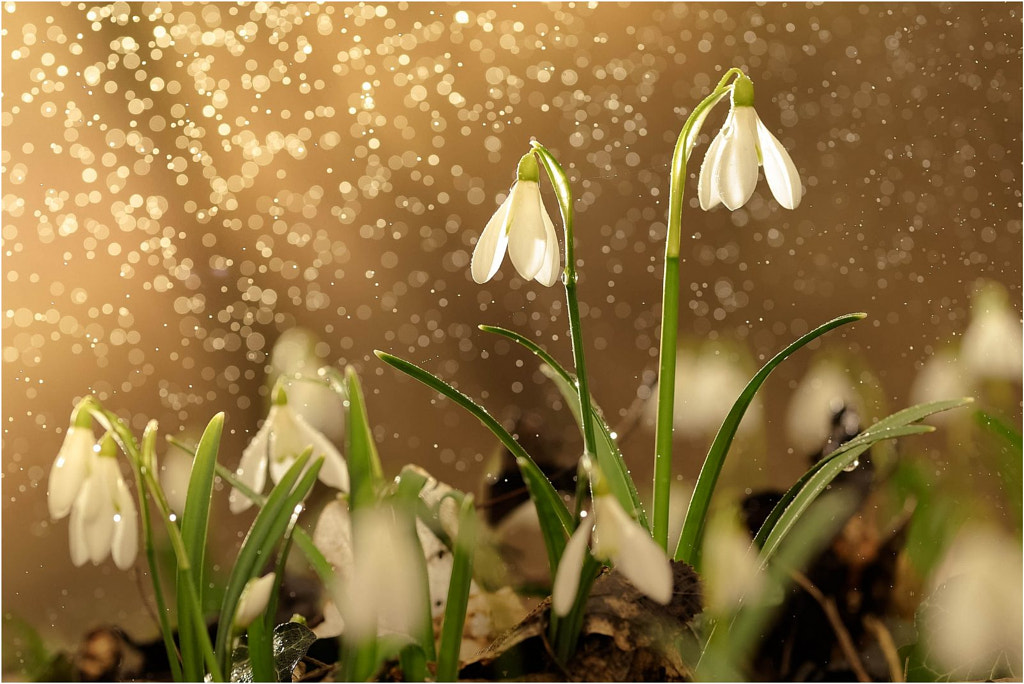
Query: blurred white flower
{"points": [[295, 361], [282, 439], [619, 539], [942, 377], [69, 470], [729, 172], [103, 516], [993, 344], [730, 571], [175, 472], [825, 389], [253, 601], [522, 225], [972, 618], [384, 594]]}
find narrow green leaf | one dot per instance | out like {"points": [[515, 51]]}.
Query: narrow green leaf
{"points": [[458, 593], [413, 663], [266, 530], [407, 500], [555, 519], [1006, 459], [693, 526], [261, 657], [820, 477], [365, 473], [609, 458], [195, 521], [912, 414]]}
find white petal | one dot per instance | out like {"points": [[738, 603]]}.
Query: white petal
{"points": [[490, 248], [526, 237], [125, 545], [735, 170], [548, 273], [567, 576], [633, 551], [333, 625], [779, 169], [76, 529], [253, 601], [334, 472], [252, 469], [706, 188], [69, 471], [99, 531]]}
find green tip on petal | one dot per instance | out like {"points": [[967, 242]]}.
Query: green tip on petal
{"points": [[108, 447], [280, 396], [528, 169], [742, 92]]}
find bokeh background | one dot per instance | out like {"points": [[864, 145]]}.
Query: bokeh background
{"points": [[184, 182]]}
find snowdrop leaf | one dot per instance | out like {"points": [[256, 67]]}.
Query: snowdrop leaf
{"points": [[693, 527], [458, 593], [365, 473]]}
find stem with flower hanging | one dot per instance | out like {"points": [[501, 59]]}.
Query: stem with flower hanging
{"points": [[670, 307], [563, 192]]}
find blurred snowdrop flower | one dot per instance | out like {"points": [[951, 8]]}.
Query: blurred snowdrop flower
{"points": [[103, 516], [821, 394], [175, 472], [730, 570], [296, 362], [522, 226], [253, 601], [619, 539], [729, 172], [972, 618], [384, 594], [69, 470], [993, 344], [283, 437], [942, 377]]}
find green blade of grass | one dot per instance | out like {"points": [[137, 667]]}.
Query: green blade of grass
{"points": [[458, 593], [696, 514], [266, 529], [365, 473], [555, 519], [261, 654], [407, 498], [609, 458], [195, 521]]}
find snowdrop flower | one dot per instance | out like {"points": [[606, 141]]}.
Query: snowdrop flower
{"points": [[69, 469], [384, 595], [522, 225], [283, 437], [618, 538], [729, 172], [253, 601], [103, 516], [993, 345]]}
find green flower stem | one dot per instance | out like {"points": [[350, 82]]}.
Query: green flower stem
{"points": [[560, 182], [148, 449], [131, 449], [670, 308]]}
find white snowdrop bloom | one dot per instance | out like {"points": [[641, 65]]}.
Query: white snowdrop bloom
{"points": [[941, 377], [384, 595], [295, 362], [103, 517], [972, 618], [69, 470], [825, 389], [619, 539], [729, 172], [253, 601], [283, 437], [522, 226], [993, 344], [731, 572]]}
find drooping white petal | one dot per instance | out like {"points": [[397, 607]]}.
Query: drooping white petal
{"points": [[707, 190], [735, 169], [526, 236], [125, 546], [252, 469], [548, 273], [69, 471], [76, 528], [490, 248], [175, 472], [334, 471], [253, 601], [779, 170], [633, 551], [99, 511], [286, 443], [567, 576]]}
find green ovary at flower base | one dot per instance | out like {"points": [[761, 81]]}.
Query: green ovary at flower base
{"points": [[729, 172], [522, 226], [284, 435]]}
